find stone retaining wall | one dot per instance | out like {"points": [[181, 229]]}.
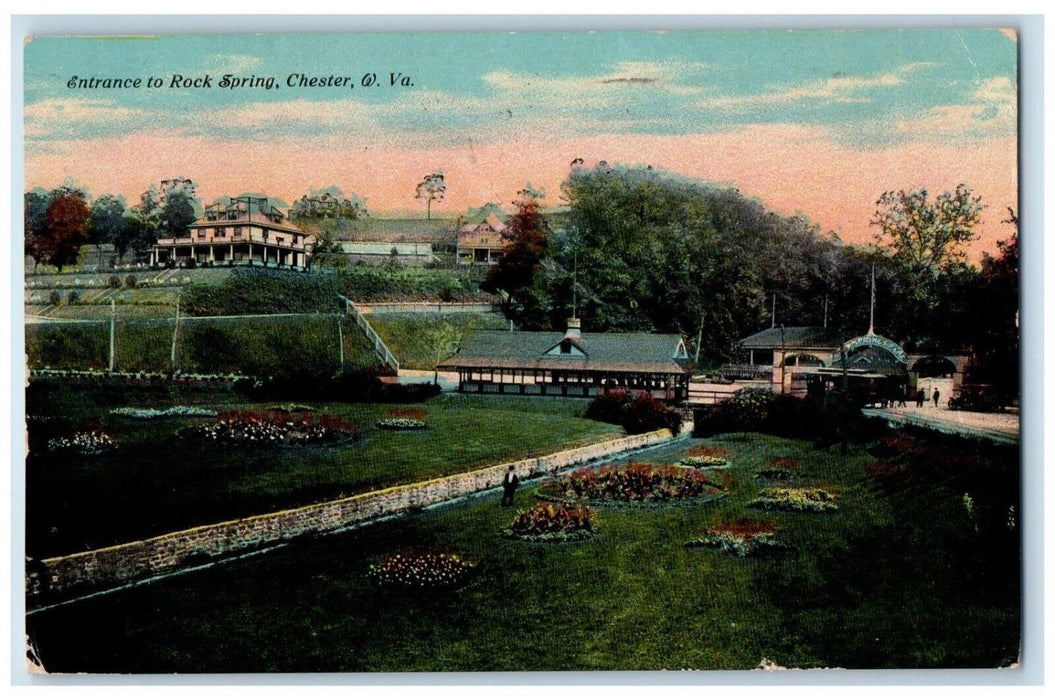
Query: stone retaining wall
{"points": [[135, 560]]}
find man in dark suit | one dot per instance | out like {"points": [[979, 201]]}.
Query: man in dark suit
{"points": [[509, 487]]}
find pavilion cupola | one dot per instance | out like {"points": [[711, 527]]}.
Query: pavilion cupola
{"points": [[574, 328]]}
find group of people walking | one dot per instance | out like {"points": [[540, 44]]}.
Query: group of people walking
{"points": [[900, 398]]}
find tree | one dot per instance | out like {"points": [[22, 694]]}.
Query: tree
{"points": [[327, 251], [925, 236], [36, 206], [929, 278], [527, 237], [431, 189], [177, 214], [65, 227], [995, 306], [107, 221]]}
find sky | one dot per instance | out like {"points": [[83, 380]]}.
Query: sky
{"points": [[815, 122]]}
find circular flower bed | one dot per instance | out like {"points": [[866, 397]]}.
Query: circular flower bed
{"points": [[738, 537], [401, 424], [636, 482], [553, 522], [277, 429], [418, 570], [85, 443], [811, 500]]}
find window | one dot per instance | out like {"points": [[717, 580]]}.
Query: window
{"points": [[237, 231]]}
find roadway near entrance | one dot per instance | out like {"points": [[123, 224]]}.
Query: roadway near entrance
{"points": [[999, 427]]}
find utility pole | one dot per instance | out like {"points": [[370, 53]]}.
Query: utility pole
{"points": [[175, 334], [112, 324], [773, 317], [826, 309]]}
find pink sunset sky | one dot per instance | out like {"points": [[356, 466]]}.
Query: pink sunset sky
{"points": [[790, 168]]}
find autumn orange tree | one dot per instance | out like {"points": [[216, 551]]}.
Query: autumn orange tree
{"points": [[528, 237], [57, 240]]}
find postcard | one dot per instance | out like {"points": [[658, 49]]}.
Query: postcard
{"points": [[522, 351]]}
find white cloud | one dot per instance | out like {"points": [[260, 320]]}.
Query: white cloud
{"points": [[838, 89], [61, 115]]}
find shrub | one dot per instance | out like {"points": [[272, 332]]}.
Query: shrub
{"points": [[55, 297], [114, 282], [73, 296], [131, 282], [638, 413]]}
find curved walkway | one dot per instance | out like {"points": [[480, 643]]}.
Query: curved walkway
{"points": [[999, 427]]}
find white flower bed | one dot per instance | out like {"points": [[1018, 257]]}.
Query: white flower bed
{"points": [[173, 412], [400, 424], [91, 443]]}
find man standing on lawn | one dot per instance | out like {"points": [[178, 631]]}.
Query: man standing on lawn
{"points": [[509, 487]]}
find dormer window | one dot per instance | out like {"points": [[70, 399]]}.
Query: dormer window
{"points": [[565, 347]]}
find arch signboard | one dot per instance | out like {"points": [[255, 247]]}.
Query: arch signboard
{"points": [[876, 341]]}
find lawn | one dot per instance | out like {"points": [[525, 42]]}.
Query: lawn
{"points": [[902, 576], [256, 346], [156, 481], [420, 340]]}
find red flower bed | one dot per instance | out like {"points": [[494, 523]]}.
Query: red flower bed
{"points": [[637, 482], [407, 413], [553, 522], [277, 428]]}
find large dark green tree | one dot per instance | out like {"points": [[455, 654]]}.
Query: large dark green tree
{"points": [[923, 240], [107, 220]]}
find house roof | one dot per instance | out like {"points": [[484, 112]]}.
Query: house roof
{"points": [[626, 352], [795, 337]]}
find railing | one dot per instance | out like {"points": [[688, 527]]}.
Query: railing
{"points": [[380, 349], [708, 397]]}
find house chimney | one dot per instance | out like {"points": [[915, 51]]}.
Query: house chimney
{"points": [[574, 328]]}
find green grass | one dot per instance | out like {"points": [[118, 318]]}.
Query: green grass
{"points": [[255, 346], [421, 340], [891, 581], [157, 482]]}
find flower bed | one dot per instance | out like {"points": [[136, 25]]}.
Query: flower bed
{"points": [[277, 429], [400, 424], [738, 537], [417, 570], [779, 469], [553, 522], [636, 483], [813, 500], [173, 412], [85, 443], [703, 462]]}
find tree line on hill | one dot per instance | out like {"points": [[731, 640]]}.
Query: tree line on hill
{"points": [[58, 222], [645, 250]]}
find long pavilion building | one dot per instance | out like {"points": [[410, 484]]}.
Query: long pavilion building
{"points": [[533, 363]]}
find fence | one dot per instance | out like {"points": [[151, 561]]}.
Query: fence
{"points": [[382, 351], [248, 345]]}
